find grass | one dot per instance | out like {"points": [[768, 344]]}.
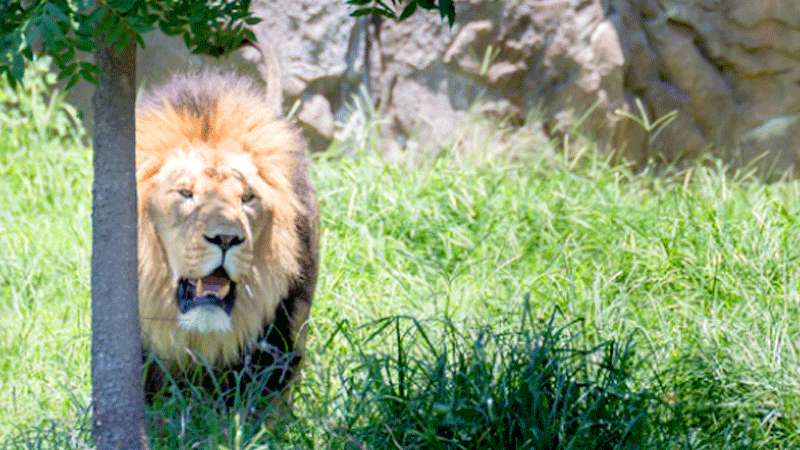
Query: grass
{"points": [[507, 292]]}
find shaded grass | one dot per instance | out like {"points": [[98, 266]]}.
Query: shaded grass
{"points": [[436, 384], [696, 271], [529, 387]]}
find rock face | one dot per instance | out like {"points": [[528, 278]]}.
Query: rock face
{"points": [[731, 69]]}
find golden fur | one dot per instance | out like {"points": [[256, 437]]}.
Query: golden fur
{"points": [[214, 135]]}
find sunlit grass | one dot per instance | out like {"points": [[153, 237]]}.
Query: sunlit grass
{"points": [[691, 277]]}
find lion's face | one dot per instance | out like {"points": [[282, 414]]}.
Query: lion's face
{"points": [[227, 221], [210, 210]]}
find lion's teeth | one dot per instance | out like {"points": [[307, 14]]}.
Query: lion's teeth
{"points": [[200, 291], [223, 291]]}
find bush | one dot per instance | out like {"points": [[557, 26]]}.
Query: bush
{"points": [[530, 386]]}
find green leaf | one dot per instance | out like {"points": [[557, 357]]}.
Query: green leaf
{"points": [[383, 4], [69, 53], [87, 66], [73, 80], [56, 14], [17, 71], [108, 24], [89, 72], [187, 40], [409, 10], [168, 29], [50, 32], [85, 29], [139, 24], [32, 35], [447, 9], [377, 10], [83, 5], [123, 41], [98, 15], [361, 12], [249, 35], [11, 80], [66, 69], [139, 40], [385, 12], [122, 6], [116, 34]]}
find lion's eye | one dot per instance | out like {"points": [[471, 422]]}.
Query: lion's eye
{"points": [[248, 197], [185, 193]]}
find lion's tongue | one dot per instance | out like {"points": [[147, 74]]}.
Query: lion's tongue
{"points": [[213, 285]]}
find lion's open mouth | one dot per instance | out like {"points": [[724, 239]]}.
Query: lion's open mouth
{"points": [[216, 289]]}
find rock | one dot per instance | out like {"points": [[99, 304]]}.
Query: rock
{"points": [[316, 114], [730, 69], [727, 67]]}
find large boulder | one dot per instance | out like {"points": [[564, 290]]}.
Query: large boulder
{"points": [[730, 69], [508, 58]]}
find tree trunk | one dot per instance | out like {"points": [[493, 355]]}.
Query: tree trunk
{"points": [[117, 392]]}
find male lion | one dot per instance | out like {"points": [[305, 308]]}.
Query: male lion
{"points": [[228, 233]]}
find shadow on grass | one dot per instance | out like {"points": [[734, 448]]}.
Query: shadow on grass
{"points": [[405, 383], [205, 408], [531, 386]]}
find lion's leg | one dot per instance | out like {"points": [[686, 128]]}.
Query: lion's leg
{"points": [[154, 379], [273, 362]]}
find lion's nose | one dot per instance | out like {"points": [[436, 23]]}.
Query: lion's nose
{"points": [[224, 241]]}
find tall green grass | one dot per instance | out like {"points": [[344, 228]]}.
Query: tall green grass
{"points": [[505, 291], [44, 256]]}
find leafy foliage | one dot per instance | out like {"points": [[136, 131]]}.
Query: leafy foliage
{"points": [[62, 29], [381, 8]]}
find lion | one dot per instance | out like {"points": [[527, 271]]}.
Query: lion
{"points": [[228, 232]]}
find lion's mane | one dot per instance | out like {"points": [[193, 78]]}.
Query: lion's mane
{"points": [[218, 109]]}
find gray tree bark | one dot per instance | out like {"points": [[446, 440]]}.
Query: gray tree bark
{"points": [[117, 394]]}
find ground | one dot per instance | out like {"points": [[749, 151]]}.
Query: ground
{"points": [[684, 282]]}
